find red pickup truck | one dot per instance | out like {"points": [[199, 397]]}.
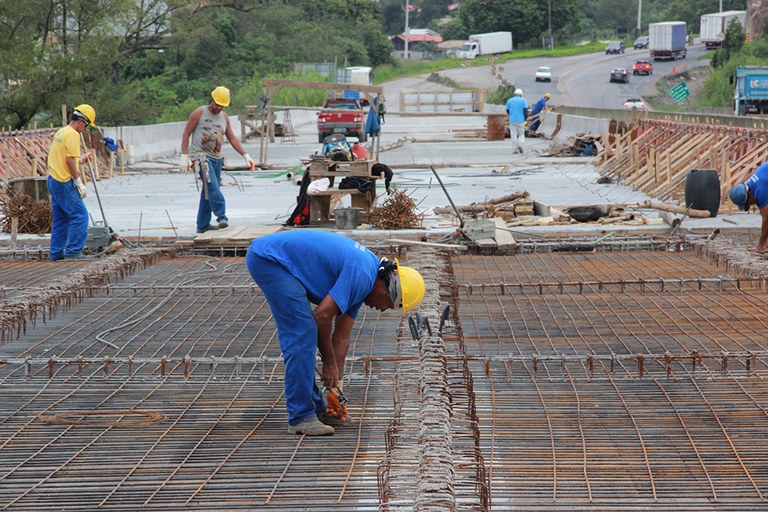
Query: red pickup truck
{"points": [[341, 115], [642, 67]]}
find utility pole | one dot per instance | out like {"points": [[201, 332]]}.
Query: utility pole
{"points": [[549, 12], [639, 15], [407, 28]]}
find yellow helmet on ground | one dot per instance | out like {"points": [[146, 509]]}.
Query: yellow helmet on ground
{"points": [[220, 96], [406, 287], [86, 113]]}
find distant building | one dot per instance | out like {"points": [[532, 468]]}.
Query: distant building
{"points": [[451, 47], [415, 36]]}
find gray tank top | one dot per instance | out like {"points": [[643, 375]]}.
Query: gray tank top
{"points": [[208, 135]]}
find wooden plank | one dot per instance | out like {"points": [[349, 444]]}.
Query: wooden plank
{"points": [[253, 232], [503, 237], [216, 235], [399, 241]]}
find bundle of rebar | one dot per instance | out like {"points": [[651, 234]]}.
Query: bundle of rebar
{"points": [[397, 212], [32, 216]]}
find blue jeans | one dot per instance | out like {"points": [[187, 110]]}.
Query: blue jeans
{"points": [[215, 203], [297, 332], [69, 227]]}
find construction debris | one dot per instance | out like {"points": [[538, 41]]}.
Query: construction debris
{"points": [[30, 216], [507, 207], [397, 212], [580, 145]]}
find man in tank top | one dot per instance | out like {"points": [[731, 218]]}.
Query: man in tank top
{"points": [[754, 192], [207, 126]]}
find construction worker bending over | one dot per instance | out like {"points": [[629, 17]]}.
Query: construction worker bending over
{"points": [[296, 268], [538, 112], [517, 108], [69, 216], [754, 191], [207, 126]]}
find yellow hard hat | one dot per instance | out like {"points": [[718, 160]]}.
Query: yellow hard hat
{"points": [[220, 96], [411, 289], [88, 113], [547, 95]]}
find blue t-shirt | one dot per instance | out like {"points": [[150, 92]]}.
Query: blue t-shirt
{"points": [[325, 263], [758, 184], [539, 106], [516, 105]]}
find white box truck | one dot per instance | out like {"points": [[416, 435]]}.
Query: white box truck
{"points": [[667, 40], [713, 26], [486, 44]]}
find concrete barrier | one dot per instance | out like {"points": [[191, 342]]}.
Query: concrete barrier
{"points": [[570, 125], [146, 143]]}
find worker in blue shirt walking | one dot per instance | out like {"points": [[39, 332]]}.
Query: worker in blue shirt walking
{"points": [[517, 108], [297, 268], [754, 192]]}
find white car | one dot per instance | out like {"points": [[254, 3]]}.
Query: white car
{"points": [[544, 74], [634, 103]]}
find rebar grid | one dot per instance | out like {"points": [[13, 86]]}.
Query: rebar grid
{"points": [[222, 445], [621, 396], [611, 381], [664, 444], [583, 267]]}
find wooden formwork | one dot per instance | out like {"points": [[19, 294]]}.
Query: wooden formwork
{"points": [[654, 156], [24, 153]]}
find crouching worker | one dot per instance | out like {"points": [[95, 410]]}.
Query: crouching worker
{"points": [[296, 268], [754, 192]]}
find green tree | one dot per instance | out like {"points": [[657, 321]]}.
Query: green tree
{"points": [[526, 19], [733, 42]]}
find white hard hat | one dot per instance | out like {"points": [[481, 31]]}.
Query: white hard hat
{"points": [[518, 92]]}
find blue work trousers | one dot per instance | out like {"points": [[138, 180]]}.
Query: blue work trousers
{"points": [[297, 331], [69, 227], [214, 203]]}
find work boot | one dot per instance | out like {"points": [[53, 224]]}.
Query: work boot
{"points": [[223, 224], [78, 256], [209, 227], [329, 419], [311, 427]]}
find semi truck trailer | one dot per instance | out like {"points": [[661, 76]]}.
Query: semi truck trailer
{"points": [[751, 96], [713, 26], [667, 40], [486, 44]]}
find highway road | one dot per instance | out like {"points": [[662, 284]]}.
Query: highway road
{"points": [[581, 80]]}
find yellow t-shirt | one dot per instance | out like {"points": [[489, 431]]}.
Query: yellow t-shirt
{"points": [[65, 143]]}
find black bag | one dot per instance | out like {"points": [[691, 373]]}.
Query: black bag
{"points": [[364, 185], [300, 215]]}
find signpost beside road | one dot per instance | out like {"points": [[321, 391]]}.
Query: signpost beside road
{"points": [[679, 92]]}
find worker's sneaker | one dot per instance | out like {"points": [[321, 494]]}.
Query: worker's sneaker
{"points": [[223, 224], [209, 227], [329, 419], [311, 427]]}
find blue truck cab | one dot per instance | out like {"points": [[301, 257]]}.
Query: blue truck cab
{"points": [[751, 95]]}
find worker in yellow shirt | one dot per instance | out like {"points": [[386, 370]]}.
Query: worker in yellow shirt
{"points": [[69, 227]]}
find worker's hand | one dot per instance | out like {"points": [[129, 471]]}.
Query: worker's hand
{"points": [[337, 407], [330, 375], [184, 163], [81, 188], [249, 161], [85, 157]]}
